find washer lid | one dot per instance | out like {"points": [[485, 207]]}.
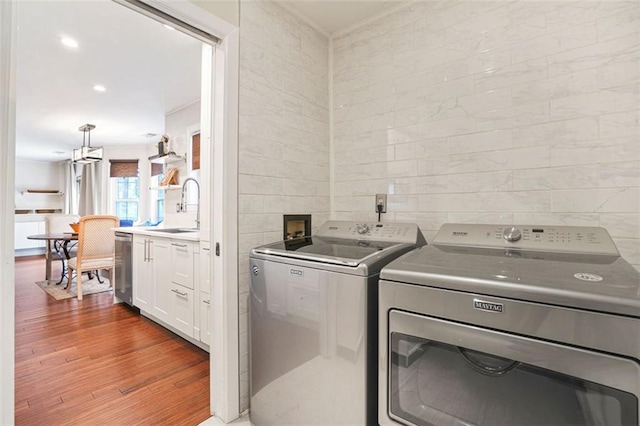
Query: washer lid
{"points": [[337, 251], [595, 282]]}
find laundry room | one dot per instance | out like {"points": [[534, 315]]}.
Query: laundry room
{"points": [[459, 112], [423, 212]]}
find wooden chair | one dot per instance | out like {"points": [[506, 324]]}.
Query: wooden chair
{"points": [[96, 248], [58, 224]]}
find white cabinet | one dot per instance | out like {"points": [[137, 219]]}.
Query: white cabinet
{"points": [[182, 260], [23, 230], [166, 284], [142, 273], [205, 293], [162, 266]]}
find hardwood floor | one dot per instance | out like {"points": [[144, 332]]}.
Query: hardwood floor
{"points": [[95, 363]]}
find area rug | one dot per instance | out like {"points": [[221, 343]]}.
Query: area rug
{"points": [[58, 292]]}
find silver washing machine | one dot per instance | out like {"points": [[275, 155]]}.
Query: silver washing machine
{"points": [[313, 323], [510, 325]]}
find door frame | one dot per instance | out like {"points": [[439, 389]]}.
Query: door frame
{"points": [[223, 128]]}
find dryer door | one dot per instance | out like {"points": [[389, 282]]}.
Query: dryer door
{"points": [[447, 373]]}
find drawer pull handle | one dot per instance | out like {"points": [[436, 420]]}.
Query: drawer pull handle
{"points": [[179, 245], [178, 293], [206, 301]]}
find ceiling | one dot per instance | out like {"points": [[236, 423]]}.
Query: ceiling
{"points": [[147, 70]]}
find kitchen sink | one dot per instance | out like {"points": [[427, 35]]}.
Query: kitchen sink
{"points": [[174, 230]]}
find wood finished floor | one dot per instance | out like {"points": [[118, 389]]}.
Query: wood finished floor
{"points": [[95, 363]]}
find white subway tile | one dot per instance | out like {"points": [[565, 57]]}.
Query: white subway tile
{"points": [[567, 219], [556, 87], [620, 24], [619, 200], [513, 74], [482, 141], [556, 178], [621, 225], [620, 175], [486, 218], [616, 50], [576, 130], [570, 13], [560, 41], [601, 102], [595, 151], [516, 116], [620, 124], [421, 149], [515, 201], [422, 185], [480, 182]]}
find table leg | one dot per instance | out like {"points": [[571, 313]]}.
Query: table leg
{"points": [[47, 256]]}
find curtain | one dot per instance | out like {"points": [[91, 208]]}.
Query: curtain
{"points": [[70, 188], [90, 190]]}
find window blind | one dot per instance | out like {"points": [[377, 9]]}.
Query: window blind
{"points": [[123, 168]]}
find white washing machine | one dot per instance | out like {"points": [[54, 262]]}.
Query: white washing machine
{"points": [[313, 323], [510, 325]]}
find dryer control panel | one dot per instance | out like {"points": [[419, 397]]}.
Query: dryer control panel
{"points": [[373, 231], [570, 239]]}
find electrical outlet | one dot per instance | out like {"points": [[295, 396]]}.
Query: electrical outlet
{"points": [[381, 200]]}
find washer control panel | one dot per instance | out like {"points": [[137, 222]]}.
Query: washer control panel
{"points": [[572, 239], [372, 231]]}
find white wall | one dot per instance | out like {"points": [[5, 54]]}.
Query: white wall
{"points": [[179, 126], [284, 136], [493, 112], [38, 175]]}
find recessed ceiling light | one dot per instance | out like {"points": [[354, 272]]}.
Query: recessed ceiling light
{"points": [[169, 27], [69, 42], [99, 88]]}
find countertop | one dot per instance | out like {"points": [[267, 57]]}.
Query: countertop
{"points": [[157, 232]]}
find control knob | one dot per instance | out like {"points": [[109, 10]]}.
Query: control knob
{"points": [[363, 229], [512, 234]]}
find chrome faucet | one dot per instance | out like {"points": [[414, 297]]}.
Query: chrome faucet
{"points": [[183, 203]]}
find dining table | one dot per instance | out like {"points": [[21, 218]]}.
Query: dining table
{"points": [[60, 244]]}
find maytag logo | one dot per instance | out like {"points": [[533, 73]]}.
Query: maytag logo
{"points": [[297, 272], [483, 305], [460, 233]]}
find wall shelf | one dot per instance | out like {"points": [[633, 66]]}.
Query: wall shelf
{"points": [[171, 157], [165, 188]]}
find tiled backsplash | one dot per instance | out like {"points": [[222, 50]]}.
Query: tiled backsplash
{"points": [[507, 112], [284, 135]]}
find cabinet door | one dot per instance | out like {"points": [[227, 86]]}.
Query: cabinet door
{"points": [[205, 318], [182, 309], [205, 293], [142, 274], [23, 230], [162, 269], [182, 262]]}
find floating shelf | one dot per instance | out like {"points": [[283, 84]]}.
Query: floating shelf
{"points": [[41, 192], [171, 157], [165, 188]]}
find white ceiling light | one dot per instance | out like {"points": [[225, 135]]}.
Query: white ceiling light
{"points": [[99, 88], [86, 154], [69, 42]]}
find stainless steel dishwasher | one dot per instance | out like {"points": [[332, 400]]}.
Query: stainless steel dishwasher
{"points": [[123, 286]]}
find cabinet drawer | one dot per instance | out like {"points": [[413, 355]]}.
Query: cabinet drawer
{"points": [[182, 260]]}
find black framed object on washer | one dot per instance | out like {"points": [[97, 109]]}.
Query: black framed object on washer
{"points": [[296, 226]]}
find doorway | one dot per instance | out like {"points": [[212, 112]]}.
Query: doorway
{"points": [[222, 125]]}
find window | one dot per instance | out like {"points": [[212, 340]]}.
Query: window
{"points": [[127, 194], [160, 201], [126, 190]]}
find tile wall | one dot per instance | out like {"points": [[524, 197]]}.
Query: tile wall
{"points": [[284, 135], [493, 112]]}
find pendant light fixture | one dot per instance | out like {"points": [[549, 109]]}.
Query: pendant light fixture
{"points": [[86, 154]]}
